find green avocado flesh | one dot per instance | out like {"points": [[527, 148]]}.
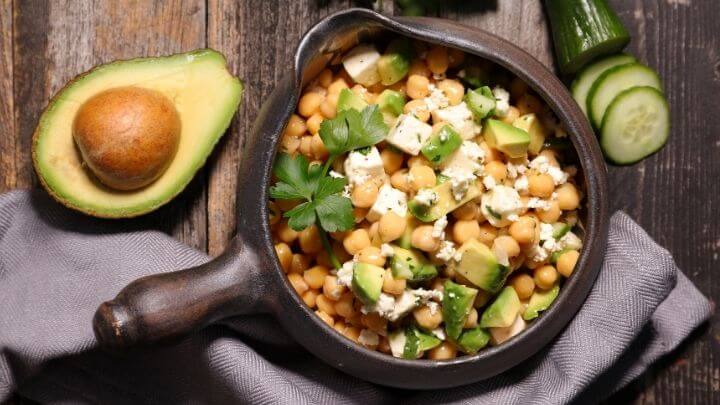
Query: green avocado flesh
{"points": [[445, 204], [479, 265], [367, 282], [348, 100], [506, 138], [456, 305], [205, 95], [472, 340], [540, 301], [411, 265], [503, 311]]}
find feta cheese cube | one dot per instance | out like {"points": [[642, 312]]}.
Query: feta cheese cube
{"points": [[436, 100], [426, 197], [345, 274], [502, 101], [406, 303], [541, 164], [368, 338], [468, 158], [447, 251], [461, 119], [389, 200], [521, 184], [500, 335], [386, 250], [499, 204], [439, 228], [360, 167], [409, 134], [361, 64]]}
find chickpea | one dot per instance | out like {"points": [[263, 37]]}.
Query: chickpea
{"points": [[453, 90], [566, 262], [289, 144], [524, 285], [317, 146], [507, 244], [444, 351], [310, 240], [400, 180], [418, 108], [467, 211], [392, 285], [438, 126], [344, 305], [418, 67], [384, 345], [517, 88], [488, 233], [313, 123], [374, 322], [285, 233], [418, 160], [391, 226], [306, 146], [371, 255], [438, 284], [325, 77], [422, 239], [422, 177], [364, 195], [456, 57], [298, 283], [462, 231], [527, 103], [512, 114], [356, 241], [352, 333], [541, 185], [309, 104], [523, 230], [545, 277], [340, 327], [359, 214], [328, 108], [325, 317], [551, 156], [426, 318], [551, 215], [325, 304], [568, 197], [337, 86], [374, 234], [309, 297], [299, 263], [295, 126], [417, 87], [497, 170], [491, 154], [472, 319], [331, 289], [284, 256], [392, 160], [437, 59], [315, 276]]}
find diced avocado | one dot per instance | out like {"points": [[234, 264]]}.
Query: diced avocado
{"points": [[349, 100], [560, 229], [456, 305], [479, 265], [441, 145], [411, 265], [531, 124], [540, 301], [503, 311], [445, 204], [391, 101], [474, 76], [395, 63], [481, 102], [411, 342], [367, 282], [501, 335], [472, 340], [556, 255], [506, 138]]}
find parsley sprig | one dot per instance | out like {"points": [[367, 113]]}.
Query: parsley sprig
{"points": [[323, 202]]}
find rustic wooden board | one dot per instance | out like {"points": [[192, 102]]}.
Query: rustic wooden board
{"points": [[44, 43]]}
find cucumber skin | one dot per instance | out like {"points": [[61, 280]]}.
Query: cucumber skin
{"points": [[574, 88], [601, 32], [617, 99], [596, 123]]}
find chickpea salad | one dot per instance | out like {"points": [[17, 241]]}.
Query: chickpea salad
{"points": [[424, 201]]}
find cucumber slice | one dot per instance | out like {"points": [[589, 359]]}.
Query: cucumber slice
{"points": [[636, 125], [613, 82], [585, 79]]}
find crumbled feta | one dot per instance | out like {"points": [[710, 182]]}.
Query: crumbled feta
{"points": [[447, 251], [537, 253], [426, 197], [500, 335], [546, 231], [438, 230], [571, 241], [360, 167], [433, 307], [513, 217], [436, 99], [386, 250], [499, 203], [439, 333], [368, 338], [345, 273], [361, 64], [489, 182], [384, 306], [389, 199], [541, 164], [521, 184], [409, 134], [502, 101], [515, 170], [501, 254], [460, 181], [406, 303], [397, 343], [467, 158], [538, 203], [427, 295], [461, 119], [347, 190], [336, 175]]}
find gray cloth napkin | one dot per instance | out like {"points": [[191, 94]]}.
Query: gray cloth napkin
{"points": [[56, 266]]}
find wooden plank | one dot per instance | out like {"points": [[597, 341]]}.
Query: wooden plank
{"points": [[7, 120], [258, 37], [57, 40]]}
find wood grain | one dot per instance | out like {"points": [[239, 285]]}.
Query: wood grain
{"points": [[7, 120]]}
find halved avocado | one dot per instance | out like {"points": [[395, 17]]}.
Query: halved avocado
{"points": [[205, 96]]}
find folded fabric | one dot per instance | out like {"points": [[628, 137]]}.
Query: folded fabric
{"points": [[56, 267]]}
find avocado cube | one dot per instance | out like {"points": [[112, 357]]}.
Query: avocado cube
{"points": [[532, 125], [445, 203], [540, 301], [506, 138], [472, 340], [395, 63], [367, 282], [349, 100], [411, 342], [503, 311], [481, 102], [456, 305], [391, 101], [411, 265], [475, 76], [479, 265], [441, 145]]}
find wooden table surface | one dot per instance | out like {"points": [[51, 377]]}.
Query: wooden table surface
{"points": [[673, 194]]}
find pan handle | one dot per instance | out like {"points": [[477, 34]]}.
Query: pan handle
{"points": [[168, 306]]}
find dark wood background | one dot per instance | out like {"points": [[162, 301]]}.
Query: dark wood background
{"points": [[673, 194]]}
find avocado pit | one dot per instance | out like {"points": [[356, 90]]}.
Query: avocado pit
{"points": [[127, 136]]}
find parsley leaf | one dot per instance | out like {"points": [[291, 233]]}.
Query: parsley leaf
{"points": [[294, 180], [335, 213], [352, 129]]}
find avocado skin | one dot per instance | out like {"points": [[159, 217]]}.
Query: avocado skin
{"points": [[205, 52]]}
